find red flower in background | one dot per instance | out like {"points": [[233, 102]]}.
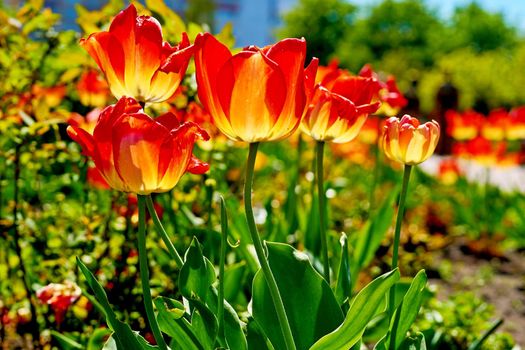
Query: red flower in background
{"points": [[387, 92], [88, 122], [258, 94], [131, 53], [494, 127], [92, 89], [449, 171], [135, 153], [463, 127], [481, 150], [516, 128], [59, 297], [369, 133], [52, 96]]}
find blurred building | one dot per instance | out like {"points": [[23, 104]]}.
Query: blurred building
{"points": [[253, 21]]}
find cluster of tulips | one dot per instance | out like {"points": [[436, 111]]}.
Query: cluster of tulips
{"points": [[256, 95], [488, 140]]}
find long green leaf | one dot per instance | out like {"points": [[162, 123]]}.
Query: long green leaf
{"points": [[344, 282], [66, 342], [124, 337], [310, 304], [197, 274], [408, 310], [362, 309]]}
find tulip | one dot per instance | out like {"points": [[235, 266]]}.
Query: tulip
{"points": [[338, 114], [52, 96], [94, 179], [516, 129], [339, 108], [131, 53], [59, 297], [135, 153], [449, 171], [92, 89], [388, 93], [408, 142], [258, 94], [494, 126], [463, 127]]}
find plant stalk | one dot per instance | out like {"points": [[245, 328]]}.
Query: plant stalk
{"points": [[265, 266], [222, 262], [397, 233], [144, 275], [322, 209]]}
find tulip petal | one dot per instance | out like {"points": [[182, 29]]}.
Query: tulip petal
{"points": [[258, 92], [83, 138], [148, 49], [290, 54], [210, 56], [197, 166], [107, 51]]}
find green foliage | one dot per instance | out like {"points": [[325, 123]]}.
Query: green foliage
{"points": [[457, 322], [330, 18], [363, 308], [406, 38], [310, 305]]}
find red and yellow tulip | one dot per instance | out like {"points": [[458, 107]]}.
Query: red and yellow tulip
{"points": [[494, 127], [392, 100], [463, 127], [135, 153], [258, 94], [131, 53], [516, 128], [339, 108], [407, 141]]}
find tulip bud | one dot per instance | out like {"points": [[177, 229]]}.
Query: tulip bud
{"points": [[409, 142]]}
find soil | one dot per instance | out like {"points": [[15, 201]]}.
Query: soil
{"points": [[500, 282]]}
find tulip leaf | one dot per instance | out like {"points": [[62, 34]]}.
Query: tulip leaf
{"points": [[309, 302], [233, 337], [405, 314], [197, 274], [204, 324], [362, 309], [97, 339], [124, 337], [343, 287], [66, 342], [172, 322], [416, 343], [234, 276]]}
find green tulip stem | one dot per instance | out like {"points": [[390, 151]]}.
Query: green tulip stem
{"points": [[265, 266], [162, 232], [144, 276], [322, 209], [400, 213], [397, 232], [222, 262]]}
